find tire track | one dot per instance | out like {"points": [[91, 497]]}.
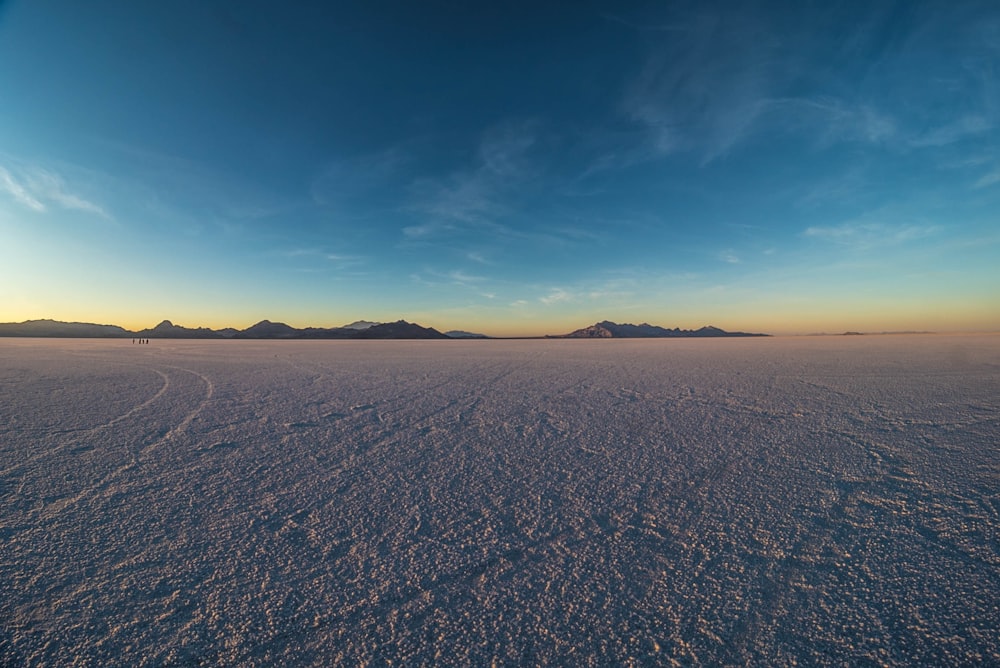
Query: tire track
{"points": [[180, 428], [90, 432], [52, 510]]}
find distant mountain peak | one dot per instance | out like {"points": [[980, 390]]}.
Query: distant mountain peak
{"points": [[361, 324], [265, 329]]}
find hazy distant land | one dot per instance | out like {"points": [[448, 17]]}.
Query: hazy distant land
{"points": [[612, 330], [362, 329], [761, 501]]}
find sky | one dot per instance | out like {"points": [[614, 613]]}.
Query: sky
{"points": [[512, 168]]}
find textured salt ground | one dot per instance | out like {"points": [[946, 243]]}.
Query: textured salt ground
{"points": [[768, 501]]}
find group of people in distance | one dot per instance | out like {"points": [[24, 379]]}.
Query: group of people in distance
{"points": [[141, 340]]}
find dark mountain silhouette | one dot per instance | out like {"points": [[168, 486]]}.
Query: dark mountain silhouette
{"points": [[399, 330], [612, 330], [56, 329], [391, 330], [279, 330], [265, 329], [168, 330]]}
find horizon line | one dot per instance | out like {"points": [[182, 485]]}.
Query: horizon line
{"points": [[834, 332]]}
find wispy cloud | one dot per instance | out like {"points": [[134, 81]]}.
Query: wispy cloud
{"points": [[987, 180], [476, 196], [967, 126], [477, 257], [345, 180], [722, 79], [705, 87], [320, 257], [504, 149], [191, 194], [869, 236], [483, 203], [50, 186], [465, 197], [833, 121], [38, 189], [615, 289], [453, 277], [462, 278], [712, 125], [849, 184], [729, 256], [16, 190], [555, 296]]}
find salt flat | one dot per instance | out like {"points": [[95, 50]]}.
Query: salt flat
{"points": [[821, 500]]}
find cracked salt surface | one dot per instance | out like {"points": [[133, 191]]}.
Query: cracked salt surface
{"points": [[765, 501]]}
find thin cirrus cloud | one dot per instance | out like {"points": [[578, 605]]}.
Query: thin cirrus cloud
{"points": [[18, 192], [188, 192], [51, 187], [704, 89], [488, 202], [680, 116], [987, 180], [555, 296], [453, 277], [323, 255], [479, 194], [723, 79], [967, 126], [870, 236], [434, 278], [39, 189], [729, 256], [342, 181]]}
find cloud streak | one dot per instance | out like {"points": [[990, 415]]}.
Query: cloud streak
{"points": [[484, 204], [987, 180], [18, 192], [39, 189], [723, 78], [476, 196], [555, 296], [345, 180], [870, 236], [705, 87]]}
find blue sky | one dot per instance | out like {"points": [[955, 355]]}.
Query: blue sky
{"points": [[518, 168]]}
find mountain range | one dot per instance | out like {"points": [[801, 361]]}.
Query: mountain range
{"points": [[362, 329], [612, 330], [265, 329]]}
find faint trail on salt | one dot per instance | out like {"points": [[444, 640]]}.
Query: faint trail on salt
{"points": [[90, 431], [51, 510], [209, 391], [400, 403]]}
